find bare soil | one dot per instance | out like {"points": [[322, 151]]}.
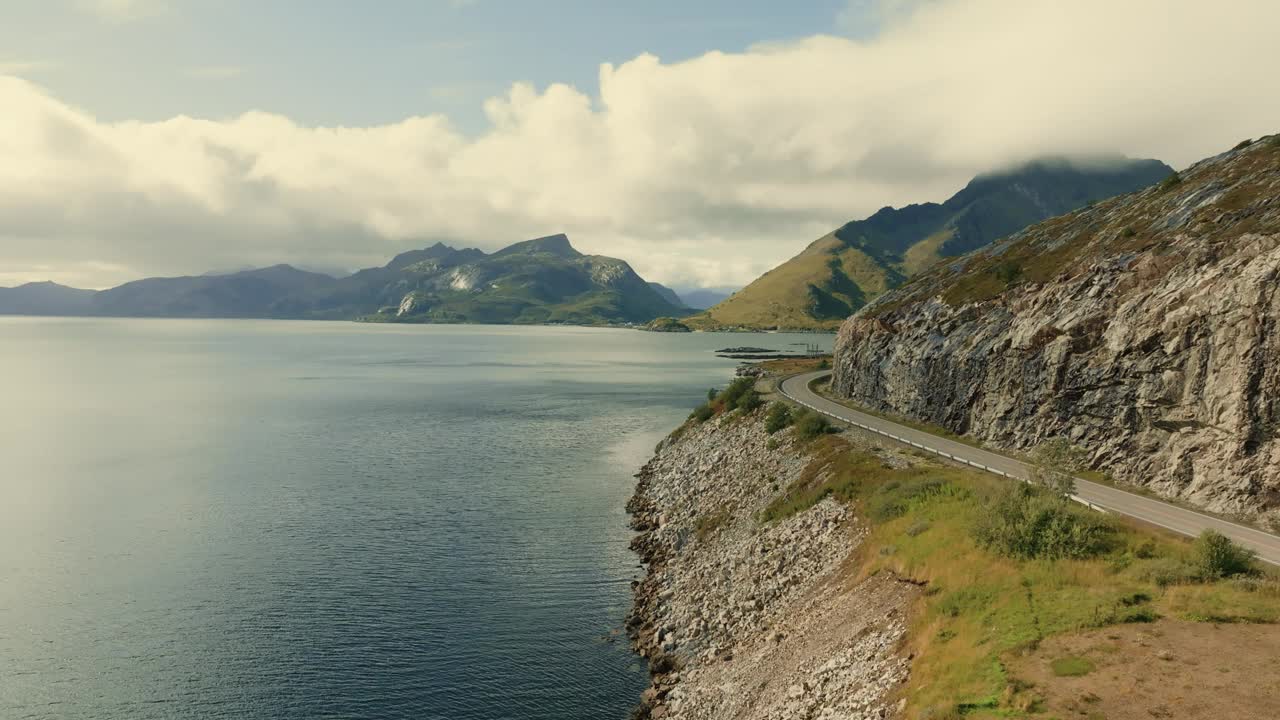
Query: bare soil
{"points": [[1168, 669]]}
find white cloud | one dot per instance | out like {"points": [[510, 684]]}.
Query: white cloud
{"points": [[124, 10], [217, 72], [25, 67], [701, 172]]}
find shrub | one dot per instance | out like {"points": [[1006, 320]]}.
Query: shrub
{"points": [[1243, 144], [1146, 549], [1008, 272], [1054, 464], [778, 417], [825, 364], [1218, 557], [1136, 615], [1170, 571], [711, 394], [1171, 182], [702, 413], [893, 499], [1025, 523], [749, 400], [736, 389], [810, 425]]}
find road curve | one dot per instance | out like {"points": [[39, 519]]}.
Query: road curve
{"points": [[1103, 497]]}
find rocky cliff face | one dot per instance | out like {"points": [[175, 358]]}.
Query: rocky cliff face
{"points": [[746, 620], [1143, 328]]}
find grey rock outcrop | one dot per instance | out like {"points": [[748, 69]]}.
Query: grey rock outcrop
{"points": [[1143, 329]]}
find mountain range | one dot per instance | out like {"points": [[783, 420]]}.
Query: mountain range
{"points": [[545, 280], [844, 270]]}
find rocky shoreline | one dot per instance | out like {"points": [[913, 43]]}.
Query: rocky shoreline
{"points": [[744, 619]]}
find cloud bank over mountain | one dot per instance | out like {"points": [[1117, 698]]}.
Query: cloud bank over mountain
{"points": [[702, 172]]}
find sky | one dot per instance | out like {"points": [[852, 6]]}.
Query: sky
{"points": [[703, 144]]}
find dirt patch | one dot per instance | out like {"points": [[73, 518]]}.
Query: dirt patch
{"points": [[1168, 669]]}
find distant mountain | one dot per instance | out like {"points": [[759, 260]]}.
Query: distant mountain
{"points": [[668, 294], [267, 292], [848, 268], [703, 298], [544, 280], [45, 298]]}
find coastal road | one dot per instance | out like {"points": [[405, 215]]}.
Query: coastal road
{"points": [[1102, 497]]}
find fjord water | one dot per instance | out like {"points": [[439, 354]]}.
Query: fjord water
{"points": [[300, 520]]}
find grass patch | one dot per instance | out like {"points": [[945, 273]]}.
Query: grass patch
{"points": [[1072, 666]]}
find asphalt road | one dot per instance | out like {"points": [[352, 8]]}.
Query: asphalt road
{"points": [[1102, 497]]}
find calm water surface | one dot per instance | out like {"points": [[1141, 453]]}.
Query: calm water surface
{"points": [[236, 519]]}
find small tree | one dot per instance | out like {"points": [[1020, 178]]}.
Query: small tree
{"points": [[1218, 557], [778, 417], [711, 394], [1054, 464], [810, 425], [749, 401]]}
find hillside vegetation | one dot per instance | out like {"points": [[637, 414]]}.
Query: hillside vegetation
{"points": [[988, 605]]}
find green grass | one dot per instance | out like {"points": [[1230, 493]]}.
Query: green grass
{"points": [[1072, 666], [844, 279]]}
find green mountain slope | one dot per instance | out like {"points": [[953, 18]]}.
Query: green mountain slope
{"points": [[538, 281], [850, 267], [544, 280]]}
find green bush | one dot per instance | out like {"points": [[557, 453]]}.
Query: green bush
{"points": [[711, 394], [1008, 272], [778, 418], [702, 413], [1054, 464], [736, 389], [1026, 523], [893, 499], [749, 401], [1218, 557], [810, 425], [1171, 182], [1170, 571]]}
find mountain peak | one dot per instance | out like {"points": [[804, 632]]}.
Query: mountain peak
{"points": [[437, 251], [557, 245]]}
